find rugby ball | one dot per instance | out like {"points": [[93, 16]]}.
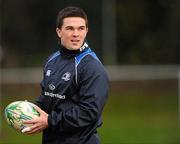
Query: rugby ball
{"points": [[18, 111]]}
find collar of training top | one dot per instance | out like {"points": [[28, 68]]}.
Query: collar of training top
{"points": [[72, 53]]}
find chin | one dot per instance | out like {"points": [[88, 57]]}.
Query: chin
{"points": [[75, 47]]}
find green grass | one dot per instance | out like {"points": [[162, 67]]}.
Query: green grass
{"points": [[141, 118], [130, 117], [11, 136]]}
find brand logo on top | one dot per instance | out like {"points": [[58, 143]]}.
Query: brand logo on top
{"points": [[48, 72]]}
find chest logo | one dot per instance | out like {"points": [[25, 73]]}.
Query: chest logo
{"points": [[48, 73], [51, 87], [66, 76]]}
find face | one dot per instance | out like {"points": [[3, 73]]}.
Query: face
{"points": [[72, 33]]}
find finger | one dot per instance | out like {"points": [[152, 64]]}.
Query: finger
{"points": [[38, 108], [34, 126], [26, 129], [29, 121], [34, 131], [31, 129]]}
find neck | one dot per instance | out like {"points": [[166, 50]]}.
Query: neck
{"points": [[71, 53]]}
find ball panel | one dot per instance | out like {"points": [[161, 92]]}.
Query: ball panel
{"points": [[17, 112]]}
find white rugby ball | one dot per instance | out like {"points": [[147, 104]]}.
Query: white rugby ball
{"points": [[18, 111]]}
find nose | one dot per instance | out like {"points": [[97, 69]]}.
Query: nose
{"points": [[75, 33]]}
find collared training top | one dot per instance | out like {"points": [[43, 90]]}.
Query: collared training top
{"points": [[74, 92]]}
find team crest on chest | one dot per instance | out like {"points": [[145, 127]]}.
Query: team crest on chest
{"points": [[66, 76]]}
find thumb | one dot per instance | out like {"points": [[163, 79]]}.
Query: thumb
{"points": [[38, 109]]}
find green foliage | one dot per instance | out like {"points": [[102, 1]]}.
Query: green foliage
{"points": [[147, 31]]}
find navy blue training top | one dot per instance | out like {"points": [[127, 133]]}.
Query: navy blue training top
{"points": [[74, 92]]}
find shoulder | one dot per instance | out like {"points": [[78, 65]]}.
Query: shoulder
{"points": [[52, 57], [92, 69], [88, 62], [84, 54]]}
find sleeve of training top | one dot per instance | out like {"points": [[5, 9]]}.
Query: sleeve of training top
{"points": [[39, 101], [93, 83]]}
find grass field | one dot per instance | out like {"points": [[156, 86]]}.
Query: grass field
{"points": [[138, 119], [131, 116]]}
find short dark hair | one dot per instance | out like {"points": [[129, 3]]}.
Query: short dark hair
{"points": [[70, 11]]}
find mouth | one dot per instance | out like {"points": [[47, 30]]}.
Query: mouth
{"points": [[75, 41]]}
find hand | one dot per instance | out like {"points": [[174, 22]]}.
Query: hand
{"points": [[38, 124]]}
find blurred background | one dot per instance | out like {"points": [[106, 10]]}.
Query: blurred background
{"points": [[137, 40]]}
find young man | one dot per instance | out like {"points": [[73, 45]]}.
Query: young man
{"points": [[74, 87]]}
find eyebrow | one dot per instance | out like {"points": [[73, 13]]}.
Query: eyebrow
{"points": [[78, 26]]}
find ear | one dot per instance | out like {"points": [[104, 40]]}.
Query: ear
{"points": [[58, 31]]}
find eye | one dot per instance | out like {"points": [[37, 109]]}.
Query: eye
{"points": [[82, 28], [69, 28]]}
